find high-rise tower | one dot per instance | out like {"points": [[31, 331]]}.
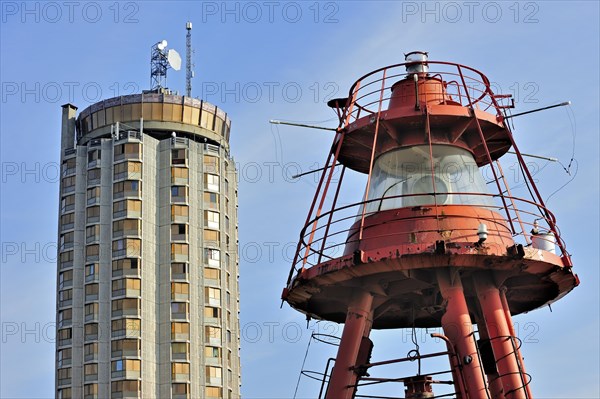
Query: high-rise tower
{"points": [[147, 302]]}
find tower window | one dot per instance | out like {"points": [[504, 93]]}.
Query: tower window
{"points": [[179, 156]]}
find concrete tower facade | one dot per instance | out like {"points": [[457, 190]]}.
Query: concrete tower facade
{"points": [[147, 288]]}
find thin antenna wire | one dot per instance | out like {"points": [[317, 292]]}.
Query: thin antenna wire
{"points": [[413, 337], [303, 363], [576, 164], [313, 122], [573, 160], [572, 121]]}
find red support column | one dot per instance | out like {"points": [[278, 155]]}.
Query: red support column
{"points": [[358, 325], [501, 338], [459, 330], [457, 376], [494, 382], [511, 328]]}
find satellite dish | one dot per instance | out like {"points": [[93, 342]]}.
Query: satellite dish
{"points": [[162, 45], [174, 59]]}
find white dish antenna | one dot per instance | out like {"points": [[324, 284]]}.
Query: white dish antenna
{"points": [[161, 59], [174, 59]]}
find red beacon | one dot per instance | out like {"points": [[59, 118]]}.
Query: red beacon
{"points": [[432, 243]]}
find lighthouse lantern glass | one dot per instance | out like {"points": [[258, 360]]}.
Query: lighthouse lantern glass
{"points": [[405, 178]]}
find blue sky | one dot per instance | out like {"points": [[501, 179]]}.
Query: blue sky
{"points": [[270, 60]]}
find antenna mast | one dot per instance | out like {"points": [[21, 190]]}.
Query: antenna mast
{"points": [[160, 61], [189, 74], [158, 66]]}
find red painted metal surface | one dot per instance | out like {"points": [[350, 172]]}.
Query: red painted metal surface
{"points": [[505, 352], [419, 387], [455, 364], [386, 231], [359, 318], [493, 378], [513, 335], [372, 157], [456, 322], [433, 264]]}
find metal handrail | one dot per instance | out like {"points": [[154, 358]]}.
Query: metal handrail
{"points": [[370, 381], [522, 374], [327, 220], [476, 87], [460, 84]]}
